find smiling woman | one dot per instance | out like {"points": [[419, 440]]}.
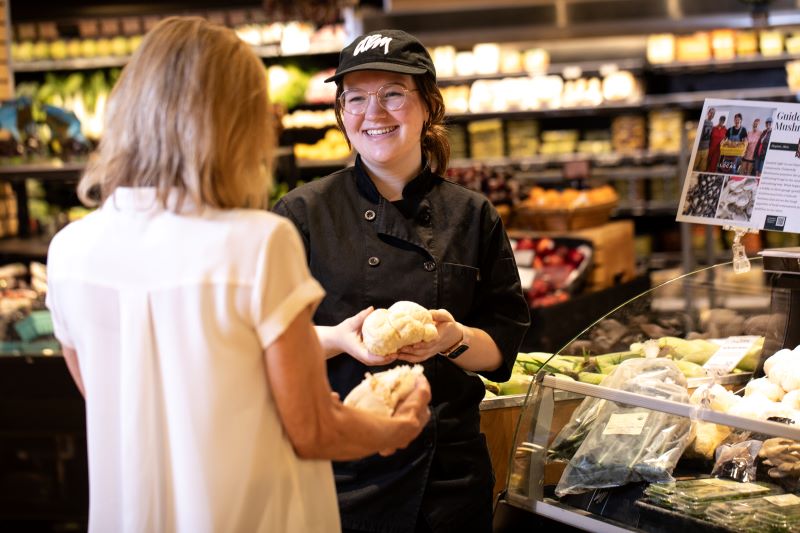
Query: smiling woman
{"points": [[391, 229], [385, 130]]}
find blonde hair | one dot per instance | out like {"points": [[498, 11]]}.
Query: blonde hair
{"points": [[189, 113]]}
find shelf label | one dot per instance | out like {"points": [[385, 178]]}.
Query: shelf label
{"points": [[732, 350], [784, 500], [524, 257], [625, 424], [526, 276], [735, 486]]}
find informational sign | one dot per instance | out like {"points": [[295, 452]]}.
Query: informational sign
{"points": [[625, 424], [731, 351], [745, 167]]}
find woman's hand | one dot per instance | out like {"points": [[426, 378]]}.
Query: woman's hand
{"points": [[449, 331], [346, 338]]}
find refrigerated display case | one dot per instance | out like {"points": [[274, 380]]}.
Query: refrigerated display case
{"points": [[637, 451]]}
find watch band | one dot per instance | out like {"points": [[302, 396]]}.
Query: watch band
{"points": [[455, 351]]}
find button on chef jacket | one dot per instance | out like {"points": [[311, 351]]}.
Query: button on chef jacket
{"points": [[441, 246]]}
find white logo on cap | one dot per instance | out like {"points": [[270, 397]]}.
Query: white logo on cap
{"points": [[371, 42]]}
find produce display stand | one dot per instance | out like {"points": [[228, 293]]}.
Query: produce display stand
{"points": [[767, 300]]}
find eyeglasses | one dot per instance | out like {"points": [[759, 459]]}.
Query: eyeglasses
{"points": [[391, 97]]}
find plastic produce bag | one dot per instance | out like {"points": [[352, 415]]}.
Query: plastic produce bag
{"points": [[572, 435], [737, 461], [626, 444]]}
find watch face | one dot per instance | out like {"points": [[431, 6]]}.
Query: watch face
{"points": [[458, 351]]}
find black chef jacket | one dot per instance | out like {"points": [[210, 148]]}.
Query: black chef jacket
{"points": [[442, 246]]}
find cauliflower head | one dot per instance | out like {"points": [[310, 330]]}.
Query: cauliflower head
{"points": [[385, 331], [380, 393]]}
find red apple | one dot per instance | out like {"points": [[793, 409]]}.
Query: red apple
{"points": [[545, 245], [526, 243]]}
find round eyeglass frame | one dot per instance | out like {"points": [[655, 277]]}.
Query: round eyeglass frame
{"points": [[378, 97]]}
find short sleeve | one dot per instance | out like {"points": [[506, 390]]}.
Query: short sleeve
{"points": [[283, 286], [52, 298]]}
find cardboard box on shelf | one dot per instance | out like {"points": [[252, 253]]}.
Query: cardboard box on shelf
{"points": [[614, 258]]}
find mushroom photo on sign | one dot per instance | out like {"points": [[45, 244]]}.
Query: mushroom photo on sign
{"points": [[737, 198], [702, 196]]}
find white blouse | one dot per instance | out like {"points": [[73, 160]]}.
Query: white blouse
{"points": [[170, 315]]}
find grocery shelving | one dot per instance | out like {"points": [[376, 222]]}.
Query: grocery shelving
{"points": [[49, 65], [607, 159], [15, 249], [50, 170], [683, 99], [714, 65], [585, 67]]}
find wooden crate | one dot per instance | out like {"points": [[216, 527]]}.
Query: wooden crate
{"points": [[537, 218], [614, 258]]}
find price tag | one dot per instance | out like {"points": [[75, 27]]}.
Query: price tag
{"points": [[526, 276], [735, 486], [732, 350], [626, 424], [784, 500], [524, 257]]}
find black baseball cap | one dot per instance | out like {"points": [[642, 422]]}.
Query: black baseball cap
{"points": [[387, 50]]}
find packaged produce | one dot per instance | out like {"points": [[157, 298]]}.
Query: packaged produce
{"points": [[737, 461], [332, 146], [536, 60], [695, 47], [663, 493], [621, 86], [793, 44], [722, 44], [486, 137], [770, 42], [769, 513], [624, 443], [661, 48], [444, 59], [746, 43], [628, 133], [696, 498], [487, 58], [664, 130]]}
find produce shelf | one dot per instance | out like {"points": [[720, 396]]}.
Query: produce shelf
{"points": [[592, 68], [696, 98], [642, 157], [55, 170], [48, 65], [684, 99], [88, 63], [714, 65], [27, 249]]}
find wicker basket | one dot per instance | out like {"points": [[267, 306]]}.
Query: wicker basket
{"points": [[541, 219], [733, 148]]}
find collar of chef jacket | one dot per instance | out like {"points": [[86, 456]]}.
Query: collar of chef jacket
{"points": [[413, 204]]}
